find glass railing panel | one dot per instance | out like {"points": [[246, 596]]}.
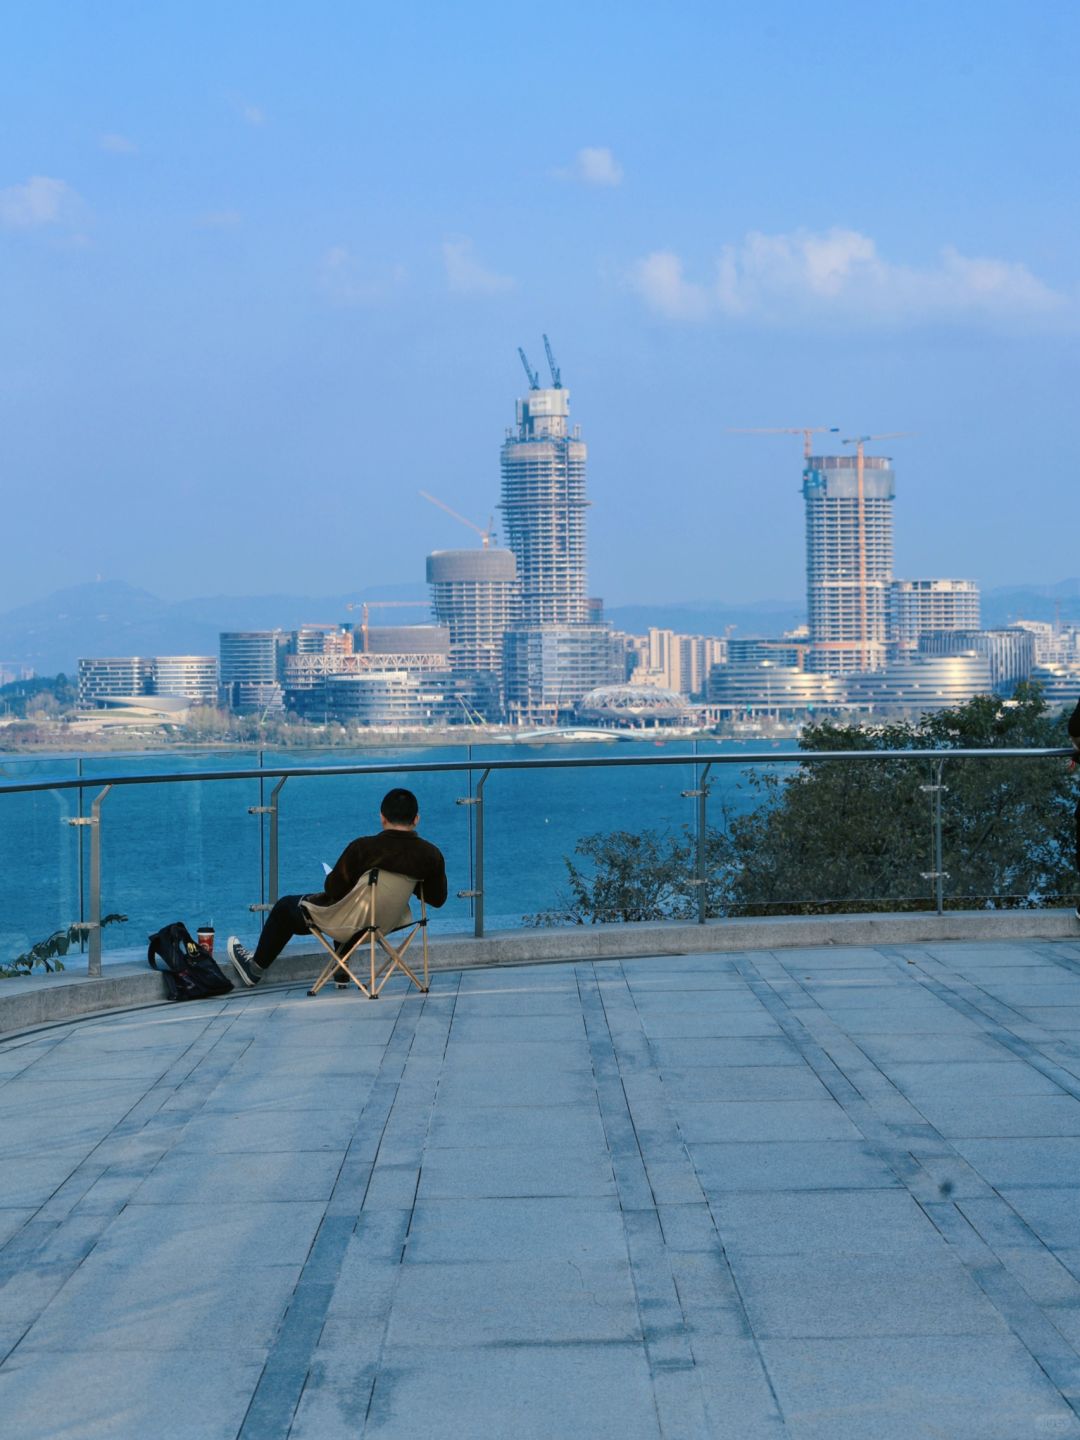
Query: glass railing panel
{"points": [[179, 850], [833, 837], [319, 816], [538, 819], [1008, 833], [39, 861]]}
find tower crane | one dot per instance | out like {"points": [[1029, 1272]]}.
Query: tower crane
{"points": [[534, 375], [859, 441], [804, 430], [486, 536], [556, 373]]}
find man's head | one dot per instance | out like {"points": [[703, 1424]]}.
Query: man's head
{"points": [[399, 809]]}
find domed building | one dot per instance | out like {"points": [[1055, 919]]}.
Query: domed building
{"points": [[637, 706]]}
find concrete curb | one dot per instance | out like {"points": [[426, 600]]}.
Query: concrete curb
{"points": [[52, 999]]}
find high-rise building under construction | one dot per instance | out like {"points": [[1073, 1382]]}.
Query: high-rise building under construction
{"points": [[543, 505], [554, 652], [849, 560]]}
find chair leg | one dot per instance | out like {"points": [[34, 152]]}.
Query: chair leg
{"points": [[324, 976], [337, 966], [397, 962]]}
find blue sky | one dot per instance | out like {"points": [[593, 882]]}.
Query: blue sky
{"points": [[264, 269]]}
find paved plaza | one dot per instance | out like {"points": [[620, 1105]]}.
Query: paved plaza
{"points": [[831, 1194]]}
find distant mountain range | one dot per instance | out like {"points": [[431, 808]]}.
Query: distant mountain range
{"points": [[113, 618], [110, 617]]}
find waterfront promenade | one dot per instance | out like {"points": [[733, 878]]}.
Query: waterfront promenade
{"points": [[826, 1193]]}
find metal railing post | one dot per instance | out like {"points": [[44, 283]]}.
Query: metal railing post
{"points": [[82, 879], [270, 891], [939, 873], [273, 807], [701, 795], [935, 790], [262, 833], [479, 927], [476, 894], [94, 964]]}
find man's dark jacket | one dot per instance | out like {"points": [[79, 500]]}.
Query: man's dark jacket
{"points": [[402, 852]]}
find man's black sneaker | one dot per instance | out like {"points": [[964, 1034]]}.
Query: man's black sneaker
{"points": [[1076, 912], [243, 962]]}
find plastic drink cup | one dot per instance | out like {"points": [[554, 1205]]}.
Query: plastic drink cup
{"points": [[205, 938]]}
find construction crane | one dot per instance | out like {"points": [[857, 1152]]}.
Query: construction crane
{"points": [[486, 536], [365, 606], [556, 374], [859, 441], [804, 430], [534, 375]]}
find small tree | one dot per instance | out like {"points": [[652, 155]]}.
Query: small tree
{"points": [[639, 875]]}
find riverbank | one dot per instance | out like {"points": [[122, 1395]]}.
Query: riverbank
{"points": [[61, 739]]}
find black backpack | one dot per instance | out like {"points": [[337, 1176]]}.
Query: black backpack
{"points": [[188, 971]]}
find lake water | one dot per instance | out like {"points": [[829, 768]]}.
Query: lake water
{"points": [[193, 852]]}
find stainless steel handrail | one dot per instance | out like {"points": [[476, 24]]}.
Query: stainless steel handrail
{"points": [[764, 757], [698, 759]]}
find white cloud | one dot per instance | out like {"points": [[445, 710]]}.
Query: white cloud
{"points": [[659, 280], [118, 145], [347, 281], [806, 277], [39, 201], [466, 276], [596, 165]]}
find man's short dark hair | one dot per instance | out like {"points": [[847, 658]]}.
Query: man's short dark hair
{"points": [[400, 807]]}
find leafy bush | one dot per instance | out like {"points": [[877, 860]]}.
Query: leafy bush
{"points": [[637, 875]]}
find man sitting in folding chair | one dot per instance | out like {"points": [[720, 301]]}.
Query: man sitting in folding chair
{"points": [[375, 908], [404, 863]]}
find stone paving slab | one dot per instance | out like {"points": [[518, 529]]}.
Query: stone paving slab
{"points": [[792, 1165], [505, 1173], [981, 1116], [833, 1296], [514, 1303], [742, 1082], [44, 1395], [830, 1193], [718, 1120], [538, 1126], [895, 1388]]}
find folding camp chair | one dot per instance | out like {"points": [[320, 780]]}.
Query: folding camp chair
{"points": [[377, 906]]}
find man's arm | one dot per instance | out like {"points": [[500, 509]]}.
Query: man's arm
{"points": [[351, 864], [434, 881]]}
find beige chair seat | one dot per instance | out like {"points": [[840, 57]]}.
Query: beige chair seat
{"points": [[376, 907]]}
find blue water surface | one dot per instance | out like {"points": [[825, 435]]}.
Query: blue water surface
{"points": [[193, 851]]}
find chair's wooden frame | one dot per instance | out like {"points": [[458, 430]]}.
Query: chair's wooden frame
{"points": [[380, 967]]}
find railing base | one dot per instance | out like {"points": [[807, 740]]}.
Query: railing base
{"points": [[38, 1000]]}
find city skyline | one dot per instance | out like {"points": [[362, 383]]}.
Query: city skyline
{"points": [[246, 283], [518, 640]]}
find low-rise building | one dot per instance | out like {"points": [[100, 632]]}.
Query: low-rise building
{"points": [[922, 682], [1010, 652]]}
